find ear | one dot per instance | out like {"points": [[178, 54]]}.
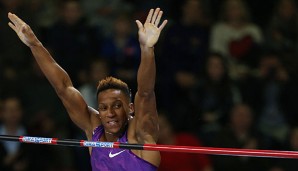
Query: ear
{"points": [[131, 109]]}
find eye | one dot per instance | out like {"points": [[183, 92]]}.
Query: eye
{"points": [[102, 108], [117, 105]]}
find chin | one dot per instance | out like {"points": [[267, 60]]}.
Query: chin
{"points": [[114, 130]]}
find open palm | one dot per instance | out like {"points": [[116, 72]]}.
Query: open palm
{"points": [[149, 32], [22, 29]]}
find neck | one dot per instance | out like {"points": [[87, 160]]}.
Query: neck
{"points": [[110, 137], [240, 132], [237, 23], [11, 129], [113, 137]]}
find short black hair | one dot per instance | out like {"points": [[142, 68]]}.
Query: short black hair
{"points": [[113, 83]]}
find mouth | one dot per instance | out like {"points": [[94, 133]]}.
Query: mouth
{"points": [[112, 123]]}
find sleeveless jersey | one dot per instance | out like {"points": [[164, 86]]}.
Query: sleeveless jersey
{"points": [[109, 159]]}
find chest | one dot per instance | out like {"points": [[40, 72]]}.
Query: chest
{"points": [[118, 160]]}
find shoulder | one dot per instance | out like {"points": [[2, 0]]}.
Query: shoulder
{"points": [[97, 130], [220, 26], [253, 27], [95, 134]]}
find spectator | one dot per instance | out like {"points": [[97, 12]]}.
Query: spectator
{"points": [[14, 154], [103, 13], [180, 161], [98, 69], [14, 61], [215, 94], [283, 28], [236, 37], [272, 98], [287, 164], [35, 85], [72, 40], [122, 50], [239, 133], [186, 41]]}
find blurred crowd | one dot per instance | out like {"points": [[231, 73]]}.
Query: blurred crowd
{"points": [[226, 77]]}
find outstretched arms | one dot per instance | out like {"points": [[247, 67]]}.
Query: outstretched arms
{"points": [[77, 108], [146, 117]]}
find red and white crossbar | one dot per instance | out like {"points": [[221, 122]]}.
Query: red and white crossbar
{"points": [[153, 147]]}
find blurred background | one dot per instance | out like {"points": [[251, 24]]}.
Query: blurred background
{"points": [[226, 77]]}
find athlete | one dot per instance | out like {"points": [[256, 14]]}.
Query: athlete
{"points": [[117, 118]]}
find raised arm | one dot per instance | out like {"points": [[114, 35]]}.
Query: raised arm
{"points": [[146, 118], [77, 108]]}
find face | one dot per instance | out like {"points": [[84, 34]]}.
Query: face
{"points": [[294, 139], [114, 109], [241, 117], [99, 70], [234, 10], [192, 9], [287, 8], [122, 26], [12, 4], [215, 68], [72, 12], [12, 111]]}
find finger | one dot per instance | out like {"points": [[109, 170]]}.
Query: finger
{"points": [[20, 21], [155, 15], [149, 16], [139, 24], [15, 19], [163, 25], [158, 18], [12, 26], [12, 18]]}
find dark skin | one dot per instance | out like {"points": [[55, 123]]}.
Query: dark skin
{"points": [[114, 106]]}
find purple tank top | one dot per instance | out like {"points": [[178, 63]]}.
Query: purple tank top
{"points": [[110, 159]]}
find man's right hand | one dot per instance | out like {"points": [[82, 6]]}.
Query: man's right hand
{"points": [[23, 30]]}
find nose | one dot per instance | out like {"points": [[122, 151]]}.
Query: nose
{"points": [[111, 113]]}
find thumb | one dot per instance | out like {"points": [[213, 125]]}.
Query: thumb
{"points": [[139, 24], [12, 26]]}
